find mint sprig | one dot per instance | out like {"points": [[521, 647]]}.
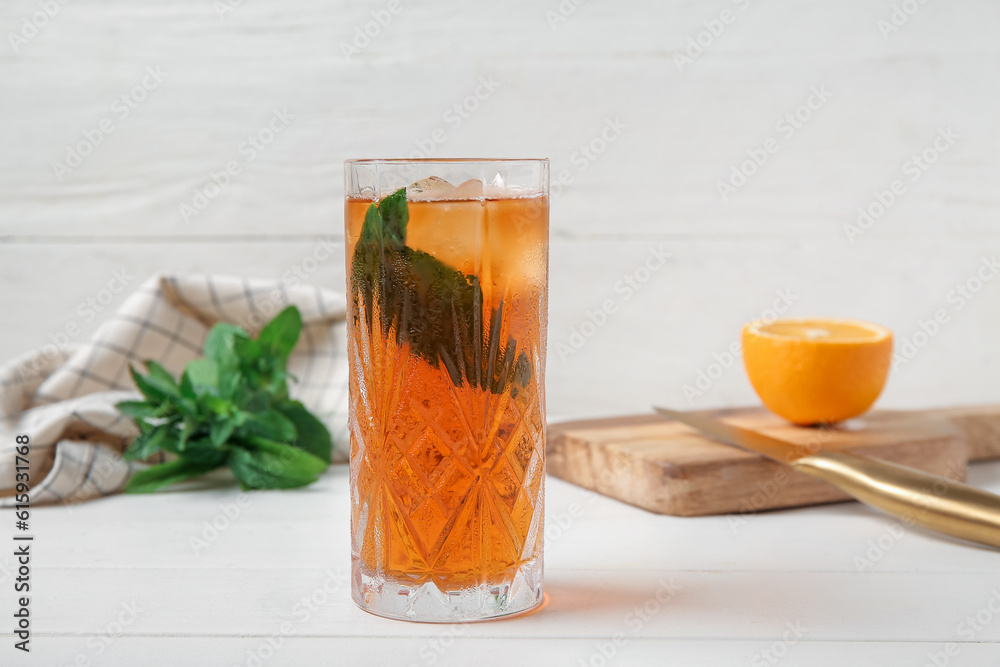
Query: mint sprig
{"points": [[434, 308], [231, 408]]}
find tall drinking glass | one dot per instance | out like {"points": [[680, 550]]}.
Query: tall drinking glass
{"points": [[447, 283]]}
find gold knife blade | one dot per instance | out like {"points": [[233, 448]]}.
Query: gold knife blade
{"points": [[753, 441], [912, 495]]}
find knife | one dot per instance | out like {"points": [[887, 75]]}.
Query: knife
{"points": [[911, 495]]}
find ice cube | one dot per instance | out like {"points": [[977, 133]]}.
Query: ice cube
{"points": [[431, 187], [497, 188], [471, 189]]}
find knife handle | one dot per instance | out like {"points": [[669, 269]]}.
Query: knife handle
{"points": [[911, 495]]}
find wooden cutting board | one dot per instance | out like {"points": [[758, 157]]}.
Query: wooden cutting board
{"points": [[669, 468]]}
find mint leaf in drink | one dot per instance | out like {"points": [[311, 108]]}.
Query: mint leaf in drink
{"points": [[434, 308], [395, 214], [385, 222], [230, 408]]}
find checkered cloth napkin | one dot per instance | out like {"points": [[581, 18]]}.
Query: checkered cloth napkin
{"points": [[64, 399]]}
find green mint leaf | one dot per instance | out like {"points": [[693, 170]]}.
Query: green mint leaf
{"points": [[161, 378], [278, 386], [153, 391], [187, 389], [385, 222], [221, 430], [220, 344], [220, 407], [280, 335], [248, 350], [165, 474], [202, 376], [252, 399], [265, 464], [188, 428], [171, 442], [147, 444], [221, 347], [272, 425], [372, 229], [201, 450], [138, 409], [313, 434], [395, 214]]}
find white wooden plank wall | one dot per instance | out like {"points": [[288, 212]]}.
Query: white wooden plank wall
{"points": [[551, 86]]}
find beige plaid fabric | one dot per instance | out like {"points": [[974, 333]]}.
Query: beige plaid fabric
{"points": [[63, 399]]}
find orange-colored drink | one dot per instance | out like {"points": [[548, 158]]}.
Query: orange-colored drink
{"points": [[447, 353]]}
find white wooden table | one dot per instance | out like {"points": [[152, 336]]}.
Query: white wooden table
{"points": [[124, 581]]}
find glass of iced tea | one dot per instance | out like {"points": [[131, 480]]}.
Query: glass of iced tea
{"points": [[447, 285]]}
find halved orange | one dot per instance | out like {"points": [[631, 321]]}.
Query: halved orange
{"points": [[813, 371]]}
